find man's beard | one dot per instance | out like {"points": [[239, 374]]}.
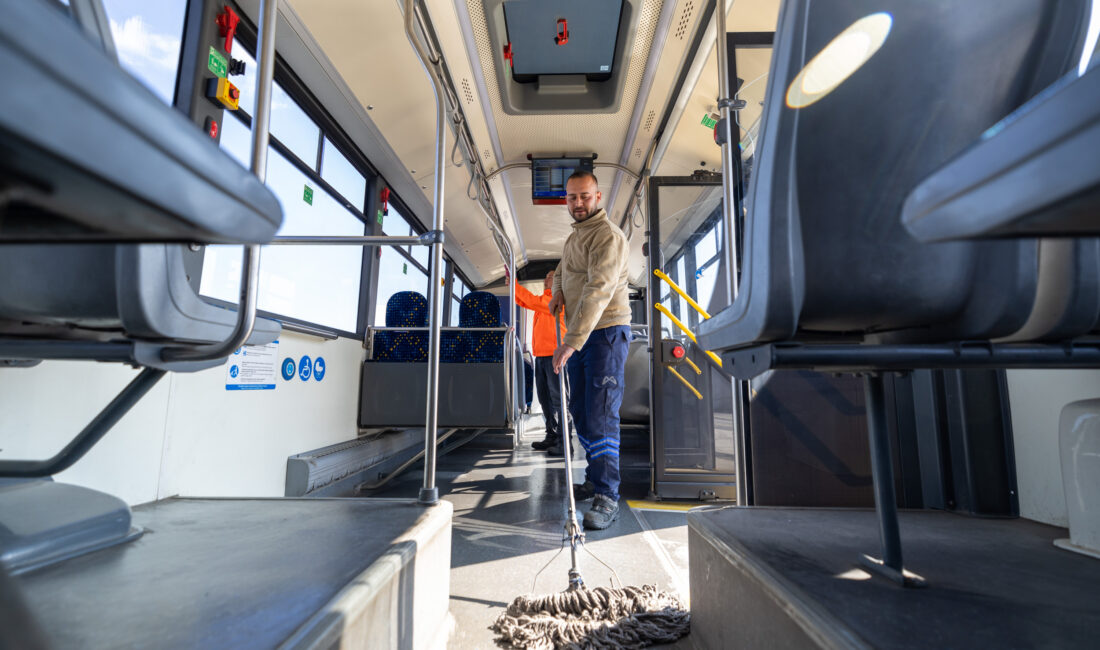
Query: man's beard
{"points": [[585, 214]]}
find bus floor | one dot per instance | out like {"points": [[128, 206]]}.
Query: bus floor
{"points": [[508, 520]]}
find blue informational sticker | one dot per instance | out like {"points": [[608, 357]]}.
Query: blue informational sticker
{"points": [[237, 351], [319, 368], [305, 367], [289, 368], [234, 370]]}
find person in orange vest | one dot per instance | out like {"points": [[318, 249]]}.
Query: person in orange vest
{"points": [[543, 344]]}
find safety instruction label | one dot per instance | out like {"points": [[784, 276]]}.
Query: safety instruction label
{"points": [[253, 367]]}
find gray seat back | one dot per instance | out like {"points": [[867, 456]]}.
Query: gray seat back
{"points": [[825, 250]]}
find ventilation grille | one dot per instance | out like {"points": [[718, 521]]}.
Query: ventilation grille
{"points": [[685, 20], [649, 121], [466, 91]]}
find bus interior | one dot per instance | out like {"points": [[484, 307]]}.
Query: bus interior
{"points": [[264, 381]]}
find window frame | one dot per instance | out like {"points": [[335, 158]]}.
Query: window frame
{"points": [[330, 129]]}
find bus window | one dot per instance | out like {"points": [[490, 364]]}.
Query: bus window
{"points": [[342, 175], [147, 38], [396, 273]]}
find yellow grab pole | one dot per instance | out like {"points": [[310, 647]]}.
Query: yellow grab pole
{"points": [[693, 366], [683, 328], [686, 382], [664, 276]]}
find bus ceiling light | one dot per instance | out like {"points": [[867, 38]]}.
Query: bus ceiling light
{"points": [[839, 59]]}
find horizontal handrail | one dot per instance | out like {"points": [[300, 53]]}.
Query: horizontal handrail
{"points": [[427, 239], [683, 328], [675, 287], [503, 328]]}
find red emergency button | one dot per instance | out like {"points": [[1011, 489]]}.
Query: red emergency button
{"points": [[678, 352], [212, 128]]}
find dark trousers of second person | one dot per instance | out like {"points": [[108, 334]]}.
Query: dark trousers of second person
{"points": [[546, 383], [596, 387]]}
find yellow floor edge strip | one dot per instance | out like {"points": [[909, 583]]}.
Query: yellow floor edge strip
{"points": [[661, 505]]}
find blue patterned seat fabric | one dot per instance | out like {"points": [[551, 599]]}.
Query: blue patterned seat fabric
{"points": [[404, 309], [480, 309]]}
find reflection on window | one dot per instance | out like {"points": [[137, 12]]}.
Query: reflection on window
{"points": [[342, 176], [396, 273], [397, 225], [681, 279], [246, 82], [236, 140], [293, 128], [317, 284], [147, 38], [706, 261], [458, 292]]}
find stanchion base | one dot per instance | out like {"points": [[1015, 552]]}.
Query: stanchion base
{"points": [[428, 497], [903, 577]]}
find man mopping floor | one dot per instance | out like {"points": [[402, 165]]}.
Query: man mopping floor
{"points": [[590, 283]]}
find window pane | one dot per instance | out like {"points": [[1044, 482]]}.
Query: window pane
{"points": [[394, 224], [316, 284], [247, 81], [453, 320], [147, 37], [293, 128], [236, 140], [396, 273], [705, 250], [342, 176]]}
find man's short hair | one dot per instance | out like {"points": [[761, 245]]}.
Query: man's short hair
{"points": [[581, 173]]}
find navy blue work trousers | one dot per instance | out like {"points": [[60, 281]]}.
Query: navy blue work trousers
{"points": [[595, 394]]}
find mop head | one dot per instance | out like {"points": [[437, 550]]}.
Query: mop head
{"points": [[632, 617]]}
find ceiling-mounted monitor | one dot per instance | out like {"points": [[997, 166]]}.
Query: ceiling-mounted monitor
{"points": [[548, 176], [563, 37]]}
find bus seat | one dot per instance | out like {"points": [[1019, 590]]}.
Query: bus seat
{"points": [[825, 250], [88, 152], [481, 309], [403, 309], [92, 292], [1034, 173]]}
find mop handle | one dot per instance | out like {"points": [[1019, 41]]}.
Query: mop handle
{"points": [[563, 429]]}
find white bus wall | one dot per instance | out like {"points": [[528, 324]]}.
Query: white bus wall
{"points": [[188, 436], [1036, 398]]}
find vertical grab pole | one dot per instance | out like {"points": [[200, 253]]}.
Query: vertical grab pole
{"points": [[429, 492], [731, 208], [509, 348]]}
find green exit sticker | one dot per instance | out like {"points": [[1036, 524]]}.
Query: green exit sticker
{"points": [[307, 195], [379, 217], [708, 121], [405, 268], [217, 63]]}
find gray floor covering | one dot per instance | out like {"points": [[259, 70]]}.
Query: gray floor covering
{"points": [[508, 525]]}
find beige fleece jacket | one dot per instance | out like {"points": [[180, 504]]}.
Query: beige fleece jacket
{"points": [[592, 278]]}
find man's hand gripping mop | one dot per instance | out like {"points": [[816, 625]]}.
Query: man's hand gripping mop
{"points": [[579, 617]]}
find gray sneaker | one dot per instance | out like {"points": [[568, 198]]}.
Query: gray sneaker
{"points": [[604, 511]]}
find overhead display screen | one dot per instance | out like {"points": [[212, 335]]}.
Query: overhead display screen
{"points": [[563, 37], [548, 176]]}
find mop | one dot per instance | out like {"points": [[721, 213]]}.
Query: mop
{"points": [[580, 617]]}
